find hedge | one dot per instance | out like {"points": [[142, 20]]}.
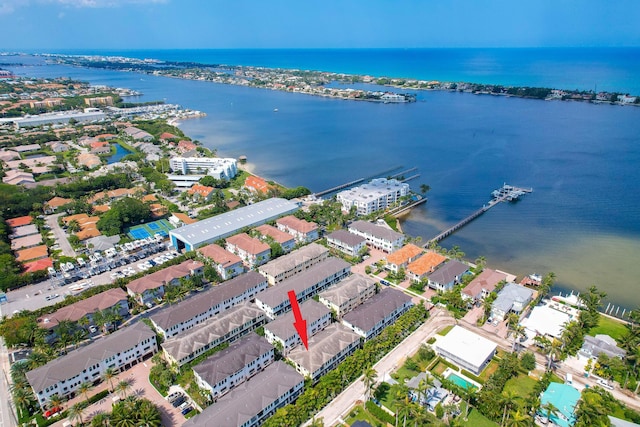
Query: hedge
{"points": [[379, 413]]}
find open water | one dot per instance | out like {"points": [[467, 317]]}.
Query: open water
{"points": [[582, 220]]}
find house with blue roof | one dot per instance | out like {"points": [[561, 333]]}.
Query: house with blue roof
{"points": [[565, 398]]}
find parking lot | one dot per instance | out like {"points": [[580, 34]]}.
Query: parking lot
{"points": [[101, 268]]}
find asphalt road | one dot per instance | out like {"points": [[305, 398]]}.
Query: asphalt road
{"points": [[59, 235]]}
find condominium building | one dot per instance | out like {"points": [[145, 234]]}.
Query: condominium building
{"points": [[216, 167], [228, 368], [326, 350], [227, 264], [283, 334], [252, 251], [251, 403], [378, 312], [377, 236], [286, 241], [303, 231], [377, 195], [291, 264], [349, 293], [226, 327], [401, 258], [150, 289], [118, 351], [275, 300], [178, 318], [348, 243]]}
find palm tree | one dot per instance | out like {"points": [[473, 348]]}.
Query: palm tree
{"points": [[549, 409], [519, 419], [123, 387], [402, 403], [148, 414], [508, 401], [55, 401], [108, 375], [317, 422], [369, 377], [76, 412], [85, 388], [22, 398], [100, 420]]}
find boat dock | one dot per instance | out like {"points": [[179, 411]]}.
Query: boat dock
{"points": [[359, 180], [507, 193]]}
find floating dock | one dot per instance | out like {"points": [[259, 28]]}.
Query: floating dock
{"points": [[506, 193]]}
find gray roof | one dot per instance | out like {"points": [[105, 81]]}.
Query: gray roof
{"points": [[347, 238], [594, 346], [194, 339], [101, 243], [323, 346], [275, 295], [347, 289], [376, 230], [448, 272], [282, 327], [233, 358], [78, 360], [367, 315], [510, 294], [617, 422], [290, 261], [249, 398], [228, 223], [200, 303]]}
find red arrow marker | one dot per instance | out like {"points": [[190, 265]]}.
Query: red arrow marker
{"points": [[300, 324]]}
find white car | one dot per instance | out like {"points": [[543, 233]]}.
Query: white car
{"points": [[603, 383], [143, 266]]}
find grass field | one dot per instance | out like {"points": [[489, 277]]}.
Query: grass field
{"points": [[608, 326], [476, 419], [444, 331], [359, 413], [521, 385], [488, 371]]}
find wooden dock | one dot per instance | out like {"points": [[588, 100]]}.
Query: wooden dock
{"points": [[507, 193], [358, 181]]}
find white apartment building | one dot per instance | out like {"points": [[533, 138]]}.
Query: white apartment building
{"points": [[349, 243], [291, 264], [346, 295], [377, 195], [283, 334], [378, 312], [234, 365], [326, 350], [119, 351], [252, 402], [178, 318], [275, 300], [219, 168], [378, 236], [228, 326]]}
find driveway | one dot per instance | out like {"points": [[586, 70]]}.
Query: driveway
{"points": [[59, 235]]}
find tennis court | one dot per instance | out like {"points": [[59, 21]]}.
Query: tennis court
{"points": [[142, 231]]}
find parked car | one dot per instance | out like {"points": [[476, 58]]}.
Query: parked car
{"points": [[186, 410], [179, 401], [50, 412]]}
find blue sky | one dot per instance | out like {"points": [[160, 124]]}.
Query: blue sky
{"points": [[173, 24]]}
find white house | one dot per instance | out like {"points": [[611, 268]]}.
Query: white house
{"points": [[348, 243], [377, 236], [377, 195], [466, 349]]}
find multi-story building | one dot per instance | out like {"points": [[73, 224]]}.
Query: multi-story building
{"points": [[326, 350], [227, 265], [234, 365], [252, 402], [378, 312], [178, 318], [149, 289], [118, 351], [419, 269], [285, 240], [349, 293], [291, 264], [447, 275], [513, 298], [275, 300], [216, 167], [377, 195], [252, 251], [283, 334], [404, 256], [377, 236], [226, 327], [348, 243], [485, 283], [303, 231]]}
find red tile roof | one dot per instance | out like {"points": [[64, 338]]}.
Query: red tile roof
{"points": [[41, 264], [19, 221]]}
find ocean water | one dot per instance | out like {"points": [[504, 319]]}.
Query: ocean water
{"points": [[582, 221]]}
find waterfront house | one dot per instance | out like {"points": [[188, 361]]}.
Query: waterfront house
{"points": [[513, 298], [457, 345], [201, 192], [593, 347], [401, 258], [378, 194], [483, 284], [419, 269], [257, 184], [447, 275]]}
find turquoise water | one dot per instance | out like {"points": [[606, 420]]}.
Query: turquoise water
{"points": [[460, 382], [582, 221]]}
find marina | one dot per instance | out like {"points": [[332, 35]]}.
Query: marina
{"points": [[506, 193]]}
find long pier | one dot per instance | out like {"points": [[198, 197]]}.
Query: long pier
{"points": [[358, 181], [507, 193]]}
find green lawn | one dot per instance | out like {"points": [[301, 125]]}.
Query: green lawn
{"points": [[404, 373], [488, 371], [444, 331], [476, 419], [614, 328], [521, 385], [359, 413]]}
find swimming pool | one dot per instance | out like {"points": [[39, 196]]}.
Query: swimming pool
{"points": [[460, 382]]}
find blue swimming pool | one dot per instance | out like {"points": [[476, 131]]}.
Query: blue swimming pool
{"points": [[460, 382]]}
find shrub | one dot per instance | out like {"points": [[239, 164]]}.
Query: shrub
{"points": [[379, 413]]}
